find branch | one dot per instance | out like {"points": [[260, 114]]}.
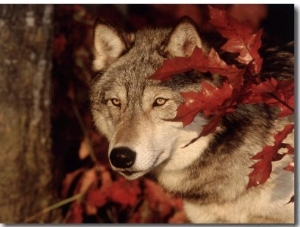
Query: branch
{"points": [[53, 207]]}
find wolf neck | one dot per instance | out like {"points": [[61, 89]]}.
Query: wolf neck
{"points": [[178, 175], [194, 172], [222, 158]]}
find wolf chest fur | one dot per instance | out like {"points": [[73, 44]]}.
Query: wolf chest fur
{"points": [[135, 114]]}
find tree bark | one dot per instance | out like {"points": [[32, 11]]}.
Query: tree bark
{"points": [[26, 179]]}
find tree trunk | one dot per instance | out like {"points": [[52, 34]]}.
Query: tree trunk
{"points": [[26, 179]]}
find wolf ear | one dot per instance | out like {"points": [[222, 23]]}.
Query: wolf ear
{"points": [[108, 45], [183, 39]]}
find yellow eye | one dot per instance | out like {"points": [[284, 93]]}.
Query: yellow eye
{"points": [[159, 102], [115, 102]]}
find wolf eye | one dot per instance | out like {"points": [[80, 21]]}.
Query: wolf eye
{"points": [[159, 102], [115, 102]]}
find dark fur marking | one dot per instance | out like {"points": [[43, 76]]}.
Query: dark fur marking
{"points": [[224, 144]]}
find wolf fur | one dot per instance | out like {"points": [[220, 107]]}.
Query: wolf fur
{"points": [[210, 174]]}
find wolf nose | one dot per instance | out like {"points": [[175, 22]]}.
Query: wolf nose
{"points": [[122, 157]]}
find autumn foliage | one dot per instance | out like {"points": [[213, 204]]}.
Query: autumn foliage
{"points": [[117, 200], [107, 197], [243, 85]]}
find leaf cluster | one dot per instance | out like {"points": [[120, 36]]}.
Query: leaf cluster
{"points": [[241, 85]]}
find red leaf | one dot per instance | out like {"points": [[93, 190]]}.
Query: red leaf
{"points": [[263, 168], [76, 214], [280, 136], [159, 201], [240, 38], [276, 93], [243, 86], [125, 192], [284, 94], [289, 167], [253, 47], [97, 197], [211, 126], [214, 64], [268, 86], [211, 100], [208, 128], [260, 174], [289, 147], [171, 67], [201, 62]]}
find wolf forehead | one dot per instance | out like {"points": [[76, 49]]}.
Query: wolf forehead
{"points": [[133, 65], [140, 58]]}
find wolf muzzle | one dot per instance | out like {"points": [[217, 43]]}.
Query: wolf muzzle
{"points": [[122, 157]]}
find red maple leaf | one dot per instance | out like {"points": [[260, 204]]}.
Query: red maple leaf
{"points": [[76, 213], [171, 67], [283, 97], [290, 167], [98, 197], [159, 201], [211, 126], [125, 192], [243, 86], [240, 38], [263, 168], [210, 100], [273, 92], [202, 63]]}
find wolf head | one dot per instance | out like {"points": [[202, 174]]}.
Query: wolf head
{"points": [[134, 112]]}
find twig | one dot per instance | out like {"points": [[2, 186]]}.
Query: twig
{"points": [[52, 207], [282, 102]]}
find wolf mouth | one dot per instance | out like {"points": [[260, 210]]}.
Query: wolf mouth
{"points": [[132, 175], [129, 173]]}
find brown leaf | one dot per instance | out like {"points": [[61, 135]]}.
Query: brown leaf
{"points": [[84, 150], [291, 200], [68, 180]]}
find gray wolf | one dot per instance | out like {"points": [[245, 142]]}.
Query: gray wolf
{"points": [[135, 114]]}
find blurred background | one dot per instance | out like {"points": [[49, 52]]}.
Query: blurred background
{"points": [[86, 189]]}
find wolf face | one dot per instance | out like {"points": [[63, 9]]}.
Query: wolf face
{"points": [[136, 113]]}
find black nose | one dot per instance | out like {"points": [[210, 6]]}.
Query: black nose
{"points": [[122, 157]]}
